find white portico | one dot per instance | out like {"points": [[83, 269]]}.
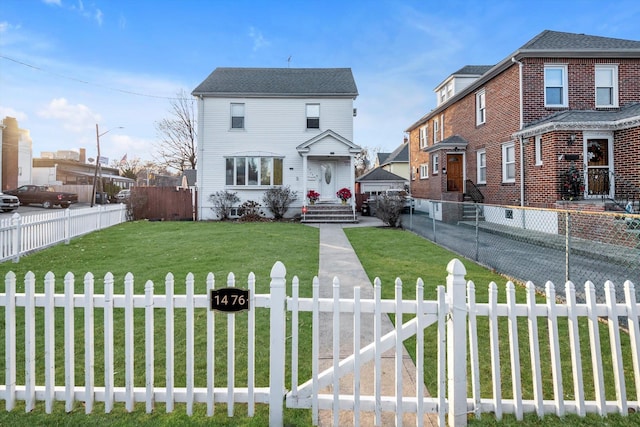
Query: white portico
{"points": [[328, 165]]}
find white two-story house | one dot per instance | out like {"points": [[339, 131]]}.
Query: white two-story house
{"points": [[265, 127]]}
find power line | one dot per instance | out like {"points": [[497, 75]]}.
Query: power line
{"points": [[89, 83]]}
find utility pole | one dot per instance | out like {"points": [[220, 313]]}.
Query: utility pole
{"points": [[97, 174]]}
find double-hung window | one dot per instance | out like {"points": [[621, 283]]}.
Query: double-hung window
{"points": [[481, 158], [424, 171], [435, 161], [424, 136], [606, 85], [252, 171], [509, 162], [556, 92], [313, 116], [237, 116], [480, 107], [538, 149], [436, 130]]}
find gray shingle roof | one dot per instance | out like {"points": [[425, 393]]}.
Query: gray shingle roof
{"points": [[588, 116], [400, 154], [475, 70], [555, 40], [379, 174], [278, 81]]}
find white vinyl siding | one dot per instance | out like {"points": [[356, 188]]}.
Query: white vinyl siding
{"points": [[274, 128], [606, 85]]}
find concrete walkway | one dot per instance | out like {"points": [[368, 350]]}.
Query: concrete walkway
{"points": [[338, 259]]}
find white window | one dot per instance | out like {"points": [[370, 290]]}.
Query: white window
{"points": [[480, 108], [313, 116], [424, 171], [436, 131], [481, 158], [555, 86], [237, 116], [435, 161], [424, 136], [606, 85], [509, 162], [538, 149], [253, 171]]}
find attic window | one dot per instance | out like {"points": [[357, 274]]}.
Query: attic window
{"points": [[313, 116]]}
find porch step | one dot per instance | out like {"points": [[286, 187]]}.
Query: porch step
{"points": [[469, 210], [324, 213]]}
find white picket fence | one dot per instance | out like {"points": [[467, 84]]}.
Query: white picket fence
{"points": [[22, 234], [455, 314]]}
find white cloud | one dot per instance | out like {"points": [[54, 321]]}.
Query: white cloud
{"points": [[75, 118], [98, 16], [54, 2], [258, 39]]}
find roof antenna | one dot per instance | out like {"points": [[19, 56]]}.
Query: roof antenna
{"points": [[289, 62]]}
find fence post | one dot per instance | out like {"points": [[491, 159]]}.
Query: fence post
{"points": [[567, 245], [67, 226], [277, 353], [16, 222], [457, 344]]}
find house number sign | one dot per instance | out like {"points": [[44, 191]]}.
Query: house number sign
{"points": [[229, 300]]}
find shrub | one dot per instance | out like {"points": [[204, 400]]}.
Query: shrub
{"points": [[250, 211], [278, 200], [389, 209], [223, 201]]}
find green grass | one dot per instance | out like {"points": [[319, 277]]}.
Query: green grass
{"points": [[150, 250]]}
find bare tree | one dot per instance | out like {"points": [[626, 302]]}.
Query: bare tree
{"points": [[363, 160], [178, 135]]}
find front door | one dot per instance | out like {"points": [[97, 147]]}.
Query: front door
{"points": [[598, 166], [328, 181], [454, 172]]}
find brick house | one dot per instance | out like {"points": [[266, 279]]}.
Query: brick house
{"points": [[556, 120]]}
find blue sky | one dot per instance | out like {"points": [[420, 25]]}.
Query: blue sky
{"points": [[66, 65]]}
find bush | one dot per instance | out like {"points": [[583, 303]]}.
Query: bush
{"points": [[278, 200], [389, 209], [223, 201], [250, 211]]}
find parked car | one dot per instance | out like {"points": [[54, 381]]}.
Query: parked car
{"points": [[8, 202], [123, 195], [43, 195], [369, 206]]}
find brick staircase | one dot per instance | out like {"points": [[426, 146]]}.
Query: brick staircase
{"points": [[329, 212]]}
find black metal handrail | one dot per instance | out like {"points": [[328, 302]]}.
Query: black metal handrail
{"points": [[474, 192], [627, 194]]}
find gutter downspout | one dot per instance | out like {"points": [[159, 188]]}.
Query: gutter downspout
{"points": [[522, 142]]}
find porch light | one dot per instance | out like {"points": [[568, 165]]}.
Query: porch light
{"points": [[572, 139]]}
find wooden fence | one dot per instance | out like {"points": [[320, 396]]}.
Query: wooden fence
{"points": [[20, 235], [455, 314], [163, 203]]}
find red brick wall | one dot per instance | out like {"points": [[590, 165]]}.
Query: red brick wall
{"points": [[543, 182]]}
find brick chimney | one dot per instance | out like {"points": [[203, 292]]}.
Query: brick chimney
{"points": [[83, 155]]}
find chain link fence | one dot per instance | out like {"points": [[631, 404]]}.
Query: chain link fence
{"points": [[537, 245]]}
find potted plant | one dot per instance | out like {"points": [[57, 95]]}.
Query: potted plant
{"points": [[572, 184], [344, 194], [313, 196]]}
